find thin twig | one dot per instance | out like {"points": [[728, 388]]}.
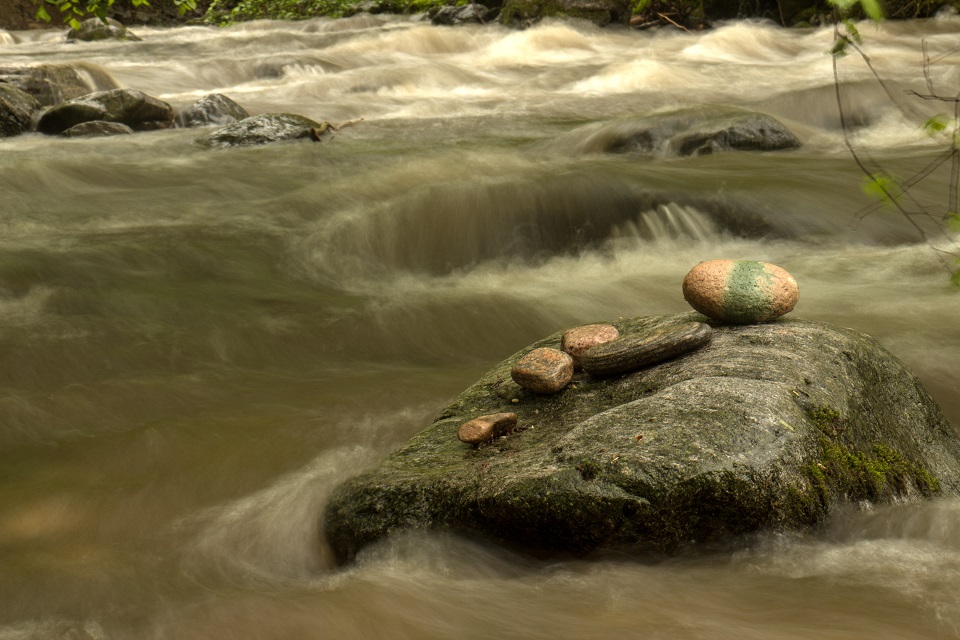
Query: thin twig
{"points": [[678, 26]]}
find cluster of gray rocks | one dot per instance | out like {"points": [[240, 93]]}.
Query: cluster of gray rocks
{"points": [[82, 100]]}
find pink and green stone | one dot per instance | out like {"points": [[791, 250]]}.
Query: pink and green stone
{"points": [[740, 291]]}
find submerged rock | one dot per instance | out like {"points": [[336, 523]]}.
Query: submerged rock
{"points": [[133, 108], [692, 132], [261, 129], [214, 108], [97, 128], [93, 29], [16, 111], [768, 427], [740, 291]]}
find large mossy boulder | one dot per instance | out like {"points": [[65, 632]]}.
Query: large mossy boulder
{"points": [[693, 132], [523, 13], [133, 108], [262, 129], [52, 84], [767, 427], [16, 111]]}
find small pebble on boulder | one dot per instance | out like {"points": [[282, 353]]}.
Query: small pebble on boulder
{"points": [[642, 349], [543, 370], [740, 291], [578, 339], [486, 428]]}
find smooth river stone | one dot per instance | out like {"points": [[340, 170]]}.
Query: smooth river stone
{"points": [[543, 370], [486, 428], [578, 339], [636, 350], [740, 291]]}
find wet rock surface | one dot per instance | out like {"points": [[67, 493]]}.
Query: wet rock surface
{"points": [[52, 84], [94, 29], [133, 108], [692, 132], [97, 129], [768, 426], [16, 111], [261, 129], [214, 108]]}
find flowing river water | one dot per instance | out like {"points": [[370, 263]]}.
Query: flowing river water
{"points": [[197, 346]]}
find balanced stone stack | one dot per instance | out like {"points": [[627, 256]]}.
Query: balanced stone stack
{"points": [[726, 291]]}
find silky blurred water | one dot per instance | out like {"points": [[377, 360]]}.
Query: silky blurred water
{"points": [[197, 346]]}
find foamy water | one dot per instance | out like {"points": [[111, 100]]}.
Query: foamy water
{"points": [[198, 346]]}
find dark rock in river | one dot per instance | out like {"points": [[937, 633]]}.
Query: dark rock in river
{"points": [[51, 84], [768, 427], [93, 29], [97, 128], [133, 108], [523, 13], [16, 111], [214, 108], [468, 14], [261, 129], [692, 132]]}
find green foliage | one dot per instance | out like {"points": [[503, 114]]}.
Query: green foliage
{"points": [[881, 186], [871, 8], [936, 124], [72, 11]]}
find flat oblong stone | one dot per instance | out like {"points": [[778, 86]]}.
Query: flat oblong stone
{"points": [[637, 350], [578, 339], [486, 428], [740, 291], [543, 370]]}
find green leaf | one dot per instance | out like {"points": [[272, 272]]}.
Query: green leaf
{"points": [[936, 124], [74, 23], [873, 9], [840, 47], [853, 31], [953, 222], [882, 187], [42, 14]]}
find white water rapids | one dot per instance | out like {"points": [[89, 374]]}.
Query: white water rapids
{"points": [[197, 346]]}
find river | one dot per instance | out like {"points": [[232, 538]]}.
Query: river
{"points": [[197, 346]]}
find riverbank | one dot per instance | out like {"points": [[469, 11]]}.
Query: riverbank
{"points": [[692, 15]]}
